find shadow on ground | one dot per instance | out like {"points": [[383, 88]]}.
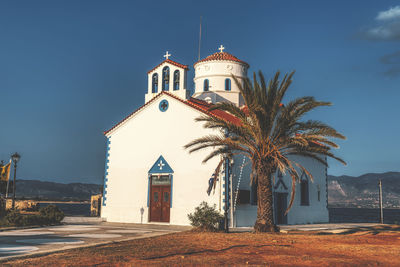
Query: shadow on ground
{"points": [[212, 251], [374, 230]]}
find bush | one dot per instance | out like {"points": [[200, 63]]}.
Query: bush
{"points": [[51, 214], [47, 216], [205, 218], [13, 217], [32, 219], [2, 207]]}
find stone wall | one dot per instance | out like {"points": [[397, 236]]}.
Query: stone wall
{"points": [[26, 205]]}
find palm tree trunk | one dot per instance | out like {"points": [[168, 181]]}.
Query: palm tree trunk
{"points": [[265, 214]]}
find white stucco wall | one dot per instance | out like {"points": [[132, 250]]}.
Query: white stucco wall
{"points": [[315, 212], [135, 146]]}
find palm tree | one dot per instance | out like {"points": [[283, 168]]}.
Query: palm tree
{"points": [[269, 133]]}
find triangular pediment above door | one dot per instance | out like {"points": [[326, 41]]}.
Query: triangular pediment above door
{"points": [[161, 166]]}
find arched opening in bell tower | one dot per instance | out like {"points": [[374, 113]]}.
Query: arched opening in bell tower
{"points": [[176, 80], [165, 78], [154, 86]]}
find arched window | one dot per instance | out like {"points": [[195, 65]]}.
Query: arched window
{"points": [[304, 195], [176, 80], [227, 84], [253, 196], [154, 86], [206, 85], [165, 79]]}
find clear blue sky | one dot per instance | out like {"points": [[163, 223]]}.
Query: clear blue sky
{"points": [[71, 69]]}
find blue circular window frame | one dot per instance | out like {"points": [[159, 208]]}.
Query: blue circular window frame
{"points": [[163, 106]]}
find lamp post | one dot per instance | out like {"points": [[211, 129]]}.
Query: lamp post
{"points": [[15, 158]]}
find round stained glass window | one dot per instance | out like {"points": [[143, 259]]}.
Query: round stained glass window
{"points": [[163, 105]]}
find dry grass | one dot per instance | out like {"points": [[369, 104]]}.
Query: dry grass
{"points": [[361, 247]]}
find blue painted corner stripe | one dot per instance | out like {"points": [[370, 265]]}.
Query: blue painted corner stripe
{"points": [[106, 171]]}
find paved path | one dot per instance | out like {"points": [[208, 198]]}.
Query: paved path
{"points": [[327, 227], [323, 227], [15, 243]]}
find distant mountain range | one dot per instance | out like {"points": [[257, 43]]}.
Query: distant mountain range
{"points": [[362, 191], [343, 191], [35, 189]]}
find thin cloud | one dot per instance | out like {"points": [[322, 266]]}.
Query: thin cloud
{"points": [[392, 61], [392, 13], [387, 32], [393, 58], [387, 28], [392, 72]]}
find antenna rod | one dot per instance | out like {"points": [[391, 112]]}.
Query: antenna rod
{"points": [[380, 201], [200, 38]]}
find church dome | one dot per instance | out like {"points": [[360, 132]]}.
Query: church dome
{"points": [[213, 77], [221, 56]]}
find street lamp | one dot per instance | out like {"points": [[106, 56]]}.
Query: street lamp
{"points": [[15, 158]]}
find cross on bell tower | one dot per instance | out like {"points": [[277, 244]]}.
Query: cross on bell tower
{"points": [[167, 55], [221, 49]]}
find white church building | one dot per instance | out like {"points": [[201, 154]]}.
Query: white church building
{"points": [[151, 178]]}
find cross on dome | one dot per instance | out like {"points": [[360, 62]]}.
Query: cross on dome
{"points": [[167, 55], [221, 49], [161, 164]]}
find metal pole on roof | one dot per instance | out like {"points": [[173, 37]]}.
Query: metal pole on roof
{"points": [[200, 38]]}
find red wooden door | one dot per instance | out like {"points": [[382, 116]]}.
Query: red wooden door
{"points": [[155, 204], [165, 204], [160, 203]]}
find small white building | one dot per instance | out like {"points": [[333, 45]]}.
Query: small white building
{"points": [[151, 178]]}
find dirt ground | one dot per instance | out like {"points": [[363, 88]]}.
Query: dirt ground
{"points": [[378, 246]]}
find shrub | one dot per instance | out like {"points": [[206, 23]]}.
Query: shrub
{"points": [[13, 217], [47, 216], [2, 207], [205, 218], [51, 214], [32, 219]]}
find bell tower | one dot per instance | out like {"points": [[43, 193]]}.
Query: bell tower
{"points": [[169, 76]]}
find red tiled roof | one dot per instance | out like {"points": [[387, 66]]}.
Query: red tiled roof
{"points": [[192, 102], [221, 56], [170, 62], [204, 106]]}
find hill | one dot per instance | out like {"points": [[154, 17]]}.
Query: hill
{"points": [[35, 189], [362, 191], [343, 191]]}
